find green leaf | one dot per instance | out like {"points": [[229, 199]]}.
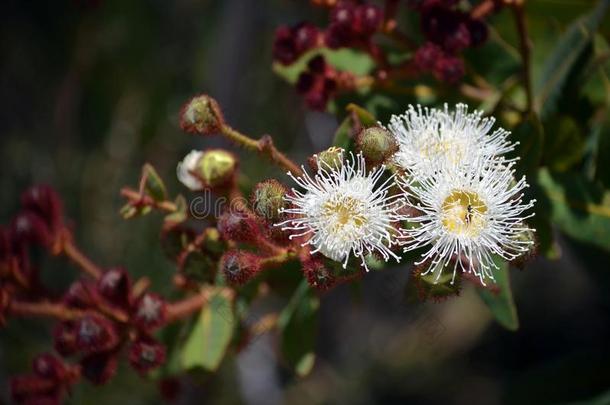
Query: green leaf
{"points": [[499, 297], [154, 185], [178, 216], [344, 134], [580, 208], [366, 118], [566, 147], [563, 61], [602, 166], [298, 325], [209, 339], [344, 59]]}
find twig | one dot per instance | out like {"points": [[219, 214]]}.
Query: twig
{"points": [[525, 50]]}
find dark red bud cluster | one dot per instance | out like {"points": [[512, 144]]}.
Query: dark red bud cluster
{"points": [[318, 83], [47, 384], [292, 42], [448, 32], [146, 354], [352, 24]]}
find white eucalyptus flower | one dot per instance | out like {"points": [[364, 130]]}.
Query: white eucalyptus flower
{"points": [[468, 216], [343, 211], [430, 139], [185, 169]]}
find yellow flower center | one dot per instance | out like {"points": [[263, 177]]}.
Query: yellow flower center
{"points": [[463, 213], [343, 212]]}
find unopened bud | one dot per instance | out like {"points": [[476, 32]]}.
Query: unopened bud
{"points": [[48, 366], [150, 312], [94, 334], [45, 201], [529, 237], [99, 368], [329, 159], [146, 354], [239, 266], [376, 144], [115, 286], [210, 168], [239, 226], [201, 115], [64, 338], [268, 198], [318, 275]]}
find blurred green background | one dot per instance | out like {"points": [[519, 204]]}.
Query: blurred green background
{"points": [[90, 90]]}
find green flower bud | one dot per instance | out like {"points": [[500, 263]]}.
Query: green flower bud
{"points": [[377, 145], [201, 115], [431, 288], [329, 159], [210, 168], [268, 198]]}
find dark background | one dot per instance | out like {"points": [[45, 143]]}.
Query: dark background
{"points": [[90, 90]]}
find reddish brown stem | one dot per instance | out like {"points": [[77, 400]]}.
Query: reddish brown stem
{"points": [[525, 50], [184, 308], [80, 259], [46, 309]]}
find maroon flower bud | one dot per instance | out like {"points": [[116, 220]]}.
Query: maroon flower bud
{"points": [[317, 99], [32, 389], [284, 47], [343, 15], [337, 36], [5, 245], [305, 82], [370, 17], [318, 275], [478, 32], [146, 354], [115, 286], [427, 55], [239, 226], [48, 366], [449, 69], [95, 334], [239, 266], [64, 338], [30, 228], [81, 294], [45, 201], [305, 37], [317, 65], [150, 312], [458, 39], [99, 368]]}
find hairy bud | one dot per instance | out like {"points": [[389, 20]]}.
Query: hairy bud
{"points": [[318, 275], [239, 226], [377, 145], [201, 115], [329, 159], [268, 198], [146, 354], [239, 266]]}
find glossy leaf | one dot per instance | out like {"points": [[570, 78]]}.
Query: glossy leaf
{"points": [[564, 58], [154, 185], [207, 344], [579, 208], [499, 297], [298, 324]]}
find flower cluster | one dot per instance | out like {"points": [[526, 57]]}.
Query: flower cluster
{"points": [[470, 206]]}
